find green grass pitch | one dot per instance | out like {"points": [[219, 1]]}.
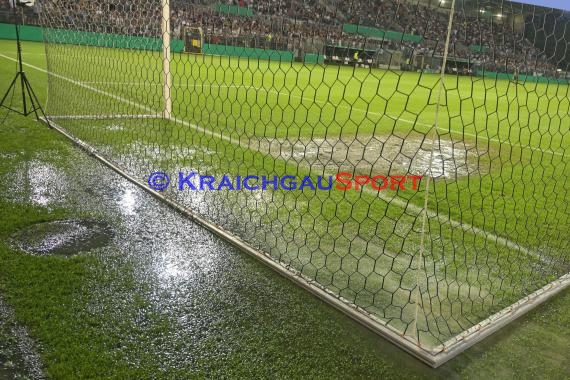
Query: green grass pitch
{"points": [[497, 212]]}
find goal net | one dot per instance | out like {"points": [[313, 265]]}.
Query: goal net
{"points": [[405, 161]]}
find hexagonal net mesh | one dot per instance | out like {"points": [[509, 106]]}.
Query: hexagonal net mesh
{"points": [[406, 159]]}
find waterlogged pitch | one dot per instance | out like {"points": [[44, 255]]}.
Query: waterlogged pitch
{"points": [[485, 226]]}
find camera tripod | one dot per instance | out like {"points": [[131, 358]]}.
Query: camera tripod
{"points": [[30, 102]]}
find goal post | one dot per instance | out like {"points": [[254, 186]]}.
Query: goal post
{"points": [[166, 59]]}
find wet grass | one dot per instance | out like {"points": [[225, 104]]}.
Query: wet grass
{"points": [[358, 244], [335, 237], [347, 237], [68, 305], [291, 100], [285, 333], [518, 141]]}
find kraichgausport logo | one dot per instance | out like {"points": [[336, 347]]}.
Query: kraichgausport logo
{"points": [[342, 181]]}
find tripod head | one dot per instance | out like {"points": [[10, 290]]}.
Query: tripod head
{"points": [[15, 4], [25, 3]]}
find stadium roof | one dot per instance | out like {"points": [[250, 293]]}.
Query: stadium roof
{"points": [[493, 7], [556, 4], [497, 6], [503, 6]]}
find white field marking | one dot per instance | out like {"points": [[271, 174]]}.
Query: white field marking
{"points": [[339, 75], [105, 117], [368, 112], [341, 106], [125, 83], [405, 205]]}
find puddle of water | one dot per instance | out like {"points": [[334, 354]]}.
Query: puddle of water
{"points": [[19, 358], [38, 182], [7, 372], [8, 156], [216, 300], [63, 237], [389, 154], [168, 151]]}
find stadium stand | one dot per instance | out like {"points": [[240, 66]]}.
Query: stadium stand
{"points": [[313, 25]]}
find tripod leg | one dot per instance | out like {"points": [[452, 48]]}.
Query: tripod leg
{"points": [[23, 82], [8, 90], [28, 92], [34, 107], [35, 102]]}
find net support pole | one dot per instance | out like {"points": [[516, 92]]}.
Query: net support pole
{"points": [[420, 271], [166, 55]]}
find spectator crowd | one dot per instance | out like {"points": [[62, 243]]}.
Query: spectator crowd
{"points": [[308, 26]]}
